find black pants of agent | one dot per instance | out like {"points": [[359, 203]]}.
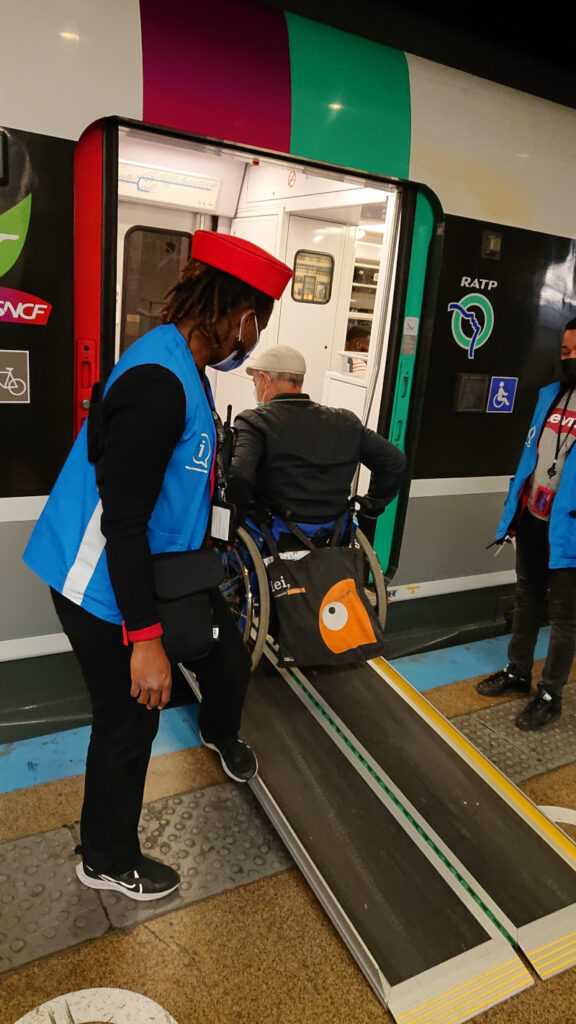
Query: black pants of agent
{"points": [[123, 730], [534, 578]]}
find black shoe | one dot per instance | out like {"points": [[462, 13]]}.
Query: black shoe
{"points": [[150, 880], [238, 759], [544, 709], [504, 681]]}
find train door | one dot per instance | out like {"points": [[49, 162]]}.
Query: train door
{"points": [[312, 319], [348, 238]]}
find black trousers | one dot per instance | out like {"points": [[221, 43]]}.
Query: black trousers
{"points": [[534, 578], [123, 730]]}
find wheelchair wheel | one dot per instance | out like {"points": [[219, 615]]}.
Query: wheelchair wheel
{"points": [[376, 589], [245, 590]]}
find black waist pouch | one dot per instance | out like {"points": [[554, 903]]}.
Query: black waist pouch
{"points": [[182, 583]]}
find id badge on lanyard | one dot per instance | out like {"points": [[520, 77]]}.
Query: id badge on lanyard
{"points": [[222, 521]]}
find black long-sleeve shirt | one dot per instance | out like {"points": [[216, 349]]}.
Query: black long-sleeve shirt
{"points": [[143, 418], [295, 454]]}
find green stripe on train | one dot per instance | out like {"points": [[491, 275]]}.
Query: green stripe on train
{"points": [[423, 227], [350, 99]]}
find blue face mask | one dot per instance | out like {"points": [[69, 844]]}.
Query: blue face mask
{"points": [[239, 355]]}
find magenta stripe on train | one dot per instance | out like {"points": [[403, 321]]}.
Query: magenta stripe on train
{"points": [[217, 68]]}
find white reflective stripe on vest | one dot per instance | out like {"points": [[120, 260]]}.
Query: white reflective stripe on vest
{"points": [[86, 560]]}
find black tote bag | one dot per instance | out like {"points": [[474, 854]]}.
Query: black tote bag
{"points": [[323, 615]]}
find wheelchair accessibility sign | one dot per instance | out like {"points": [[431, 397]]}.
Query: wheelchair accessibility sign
{"points": [[502, 394]]}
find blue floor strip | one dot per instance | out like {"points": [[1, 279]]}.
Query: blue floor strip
{"points": [[61, 754], [439, 668]]}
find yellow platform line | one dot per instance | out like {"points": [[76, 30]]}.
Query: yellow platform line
{"points": [[465, 1010], [509, 967], [528, 809]]}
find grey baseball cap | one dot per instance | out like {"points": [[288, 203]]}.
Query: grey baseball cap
{"points": [[277, 359]]}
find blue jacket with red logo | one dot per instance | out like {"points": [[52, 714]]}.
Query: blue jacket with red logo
{"points": [[562, 529]]}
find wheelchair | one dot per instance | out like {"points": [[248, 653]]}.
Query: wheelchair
{"points": [[246, 588]]}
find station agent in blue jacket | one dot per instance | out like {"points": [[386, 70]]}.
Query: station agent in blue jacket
{"points": [[541, 512], [94, 548]]}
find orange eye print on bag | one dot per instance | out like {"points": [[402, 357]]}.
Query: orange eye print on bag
{"points": [[343, 620]]}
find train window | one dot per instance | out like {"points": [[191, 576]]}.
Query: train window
{"points": [[153, 259], [313, 273]]}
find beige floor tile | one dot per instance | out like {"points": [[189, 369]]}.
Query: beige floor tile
{"points": [[139, 961], [270, 956], [25, 812]]}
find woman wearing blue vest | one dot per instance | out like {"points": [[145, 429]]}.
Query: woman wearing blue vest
{"points": [[541, 512], [93, 545]]}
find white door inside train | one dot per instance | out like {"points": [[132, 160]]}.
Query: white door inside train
{"points": [[338, 233]]}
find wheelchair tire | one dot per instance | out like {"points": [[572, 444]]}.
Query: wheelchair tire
{"points": [[377, 576], [255, 628]]}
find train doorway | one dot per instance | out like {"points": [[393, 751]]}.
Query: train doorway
{"points": [[355, 242]]}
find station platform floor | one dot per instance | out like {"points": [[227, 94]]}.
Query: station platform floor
{"points": [[244, 941]]}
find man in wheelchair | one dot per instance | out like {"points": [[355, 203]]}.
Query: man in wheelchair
{"points": [[293, 454]]}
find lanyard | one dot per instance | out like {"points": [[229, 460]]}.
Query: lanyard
{"points": [[222, 433], [560, 444], [220, 443]]}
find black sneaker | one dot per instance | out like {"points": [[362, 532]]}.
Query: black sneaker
{"points": [[150, 880], [238, 759], [543, 710], [506, 680]]}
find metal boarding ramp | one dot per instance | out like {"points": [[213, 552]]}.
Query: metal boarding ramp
{"points": [[442, 878]]}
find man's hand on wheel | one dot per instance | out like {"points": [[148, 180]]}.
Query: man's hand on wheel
{"points": [[370, 507]]}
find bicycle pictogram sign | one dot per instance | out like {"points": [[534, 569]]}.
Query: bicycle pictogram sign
{"points": [[14, 377]]}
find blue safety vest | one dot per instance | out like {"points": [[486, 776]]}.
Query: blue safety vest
{"points": [[66, 548], [562, 529]]}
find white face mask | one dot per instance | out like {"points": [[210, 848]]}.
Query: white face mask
{"points": [[239, 355]]}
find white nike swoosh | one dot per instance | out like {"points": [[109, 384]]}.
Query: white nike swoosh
{"points": [[125, 884]]}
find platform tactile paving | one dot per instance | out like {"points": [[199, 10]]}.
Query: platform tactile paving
{"points": [[43, 907], [217, 838], [515, 763], [521, 755]]}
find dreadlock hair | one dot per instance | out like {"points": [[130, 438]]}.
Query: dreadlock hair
{"points": [[207, 294]]}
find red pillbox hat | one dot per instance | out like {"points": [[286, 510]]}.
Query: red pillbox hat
{"points": [[242, 259]]}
